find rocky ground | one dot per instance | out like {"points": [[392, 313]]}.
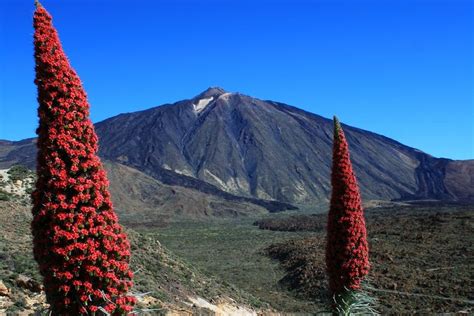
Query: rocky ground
{"points": [[16, 183], [421, 256]]}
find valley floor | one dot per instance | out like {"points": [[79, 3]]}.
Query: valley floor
{"points": [[421, 257], [234, 252]]}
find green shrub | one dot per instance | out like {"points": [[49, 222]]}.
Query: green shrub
{"points": [[5, 196], [18, 172]]}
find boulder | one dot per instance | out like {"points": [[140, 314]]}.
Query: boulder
{"points": [[4, 291], [28, 283]]}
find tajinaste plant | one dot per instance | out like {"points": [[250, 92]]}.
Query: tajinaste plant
{"points": [[82, 251], [347, 252]]}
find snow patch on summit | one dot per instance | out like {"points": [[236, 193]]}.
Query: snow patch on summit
{"points": [[201, 104]]}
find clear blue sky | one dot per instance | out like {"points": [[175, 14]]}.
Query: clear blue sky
{"points": [[400, 68]]}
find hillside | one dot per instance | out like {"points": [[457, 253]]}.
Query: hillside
{"points": [[228, 143], [142, 200], [16, 183], [162, 281]]}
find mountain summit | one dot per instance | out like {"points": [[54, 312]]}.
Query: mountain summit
{"points": [[211, 92], [233, 143], [202, 100]]}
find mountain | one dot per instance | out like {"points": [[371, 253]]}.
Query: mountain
{"points": [[228, 143], [22, 152]]}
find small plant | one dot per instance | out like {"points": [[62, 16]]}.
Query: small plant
{"points": [[351, 302], [5, 196], [18, 172]]}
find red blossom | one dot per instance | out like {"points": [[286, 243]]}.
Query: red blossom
{"points": [[76, 236], [347, 252]]}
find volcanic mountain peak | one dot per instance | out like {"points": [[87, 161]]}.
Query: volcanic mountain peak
{"points": [[209, 96], [211, 92]]}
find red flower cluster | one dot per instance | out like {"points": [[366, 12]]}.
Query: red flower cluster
{"points": [[81, 249], [347, 252]]}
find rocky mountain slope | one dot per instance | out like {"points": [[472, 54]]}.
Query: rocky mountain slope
{"points": [[144, 201], [220, 142]]}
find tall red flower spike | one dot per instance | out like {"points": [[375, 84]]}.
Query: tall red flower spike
{"points": [[347, 252], [82, 251]]}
